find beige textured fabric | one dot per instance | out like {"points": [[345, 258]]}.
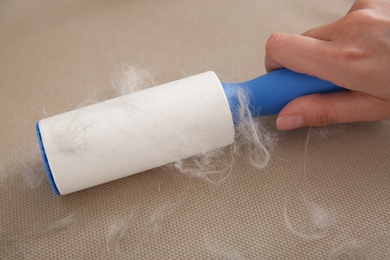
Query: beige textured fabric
{"points": [[330, 200]]}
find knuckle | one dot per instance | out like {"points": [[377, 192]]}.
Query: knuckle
{"points": [[271, 44], [313, 32], [322, 113], [351, 54], [323, 119], [368, 16], [355, 59], [364, 19], [327, 115]]}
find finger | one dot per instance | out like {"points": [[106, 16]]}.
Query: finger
{"points": [[359, 5], [300, 54], [324, 32], [327, 31], [333, 108]]}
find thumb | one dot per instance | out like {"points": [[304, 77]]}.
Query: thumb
{"points": [[332, 108]]}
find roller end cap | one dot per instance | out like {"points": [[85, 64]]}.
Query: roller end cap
{"points": [[45, 161]]}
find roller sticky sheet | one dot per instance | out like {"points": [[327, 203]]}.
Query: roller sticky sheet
{"points": [[157, 126]]}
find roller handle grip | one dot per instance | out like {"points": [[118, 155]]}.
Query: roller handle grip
{"points": [[269, 93]]}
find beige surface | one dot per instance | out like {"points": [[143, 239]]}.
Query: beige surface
{"points": [[56, 54]]}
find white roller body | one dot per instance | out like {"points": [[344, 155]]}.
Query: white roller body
{"points": [[136, 132]]}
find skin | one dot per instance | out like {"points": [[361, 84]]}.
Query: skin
{"points": [[353, 53]]}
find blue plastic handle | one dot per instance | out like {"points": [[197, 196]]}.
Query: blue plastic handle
{"points": [[269, 93]]}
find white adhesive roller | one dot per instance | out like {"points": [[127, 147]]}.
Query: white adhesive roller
{"points": [[134, 133]]}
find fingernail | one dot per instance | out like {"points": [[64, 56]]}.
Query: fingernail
{"points": [[289, 122]]}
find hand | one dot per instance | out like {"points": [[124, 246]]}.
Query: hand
{"points": [[353, 53]]}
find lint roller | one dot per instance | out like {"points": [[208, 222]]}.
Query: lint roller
{"points": [[157, 126]]}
